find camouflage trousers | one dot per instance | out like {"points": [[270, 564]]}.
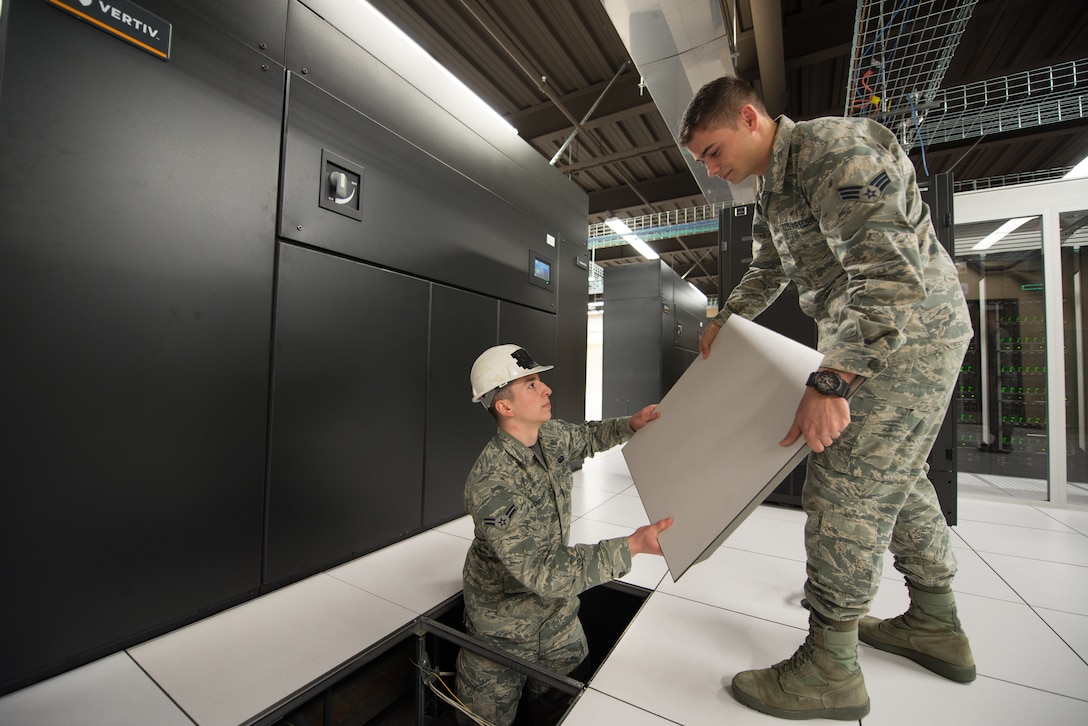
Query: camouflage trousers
{"points": [[868, 492], [553, 639]]}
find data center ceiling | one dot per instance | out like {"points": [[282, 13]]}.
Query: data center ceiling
{"points": [[994, 91]]}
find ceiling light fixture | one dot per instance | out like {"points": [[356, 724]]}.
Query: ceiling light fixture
{"points": [[1078, 171], [991, 239], [632, 239], [441, 68]]}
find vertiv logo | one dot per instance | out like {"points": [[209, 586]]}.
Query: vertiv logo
{"points": [[124, 19]]}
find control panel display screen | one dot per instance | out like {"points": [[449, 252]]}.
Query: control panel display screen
{"points": [[542, 270]]}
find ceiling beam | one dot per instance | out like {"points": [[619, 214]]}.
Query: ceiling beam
{"points": [[594, 123], [618, 156], [656, 190], [546, 119]]}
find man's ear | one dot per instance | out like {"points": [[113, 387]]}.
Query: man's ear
{"points": [[503, 408], [749, 117]]}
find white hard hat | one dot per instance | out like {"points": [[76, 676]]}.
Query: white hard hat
{"points": [[498, 366]]}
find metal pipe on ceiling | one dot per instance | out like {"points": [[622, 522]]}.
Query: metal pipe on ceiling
{"points": [[589, 113], [540, 80]]}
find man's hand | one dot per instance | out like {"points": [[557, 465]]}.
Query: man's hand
{"points": [[820, 419], [644, 539], [643, 417], [708, 337]]}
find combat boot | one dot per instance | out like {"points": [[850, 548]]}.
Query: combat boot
{"points": [[929, 633], [821, 680]]}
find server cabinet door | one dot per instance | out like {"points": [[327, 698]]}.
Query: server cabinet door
{"points": [[688, 320], [463, 325], [632, 358], [348, 411], [135, 289]]}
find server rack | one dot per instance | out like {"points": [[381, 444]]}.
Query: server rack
{"points": [[937, 194], [652, 322]]}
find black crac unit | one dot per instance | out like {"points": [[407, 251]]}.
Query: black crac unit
{"points": [[652, 322], [784, 316], [937, 194]]}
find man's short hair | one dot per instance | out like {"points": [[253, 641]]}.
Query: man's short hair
{"points": [[717, 104], [503, 393]]}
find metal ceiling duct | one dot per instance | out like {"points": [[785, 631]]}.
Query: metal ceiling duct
{"points": [[677, 47]]}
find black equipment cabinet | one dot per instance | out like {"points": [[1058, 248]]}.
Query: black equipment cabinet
{"points": [[136, 268], [652, 322], [462, 324], [347, 427], [784, 316], [937, 194], [215, 383]]}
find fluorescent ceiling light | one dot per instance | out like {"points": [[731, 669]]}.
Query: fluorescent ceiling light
{"points": [[441, 68], [618, 226], [1078, 171], [991, 239], [632, 239], [643, 249]]}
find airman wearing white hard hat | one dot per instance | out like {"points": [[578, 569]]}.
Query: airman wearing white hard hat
{"points": [[497, 367], [521, 579]]}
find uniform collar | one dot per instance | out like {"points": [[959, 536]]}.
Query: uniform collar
{"points": [[521, 453], [775, 178]]}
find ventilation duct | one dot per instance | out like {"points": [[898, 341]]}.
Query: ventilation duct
{"points": [[677, 47]]}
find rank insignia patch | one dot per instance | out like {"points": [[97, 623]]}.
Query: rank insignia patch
{"points": [[867, 193], [502, 520]]}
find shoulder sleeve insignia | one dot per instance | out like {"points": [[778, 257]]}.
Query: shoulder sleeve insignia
{"points": [[502, 520], [867, 193]]}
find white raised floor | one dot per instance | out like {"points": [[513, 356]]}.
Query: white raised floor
{"points": [[1022, 593]]}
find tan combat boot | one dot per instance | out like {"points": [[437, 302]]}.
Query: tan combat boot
{"points": [[929, 633], [821, 680]]}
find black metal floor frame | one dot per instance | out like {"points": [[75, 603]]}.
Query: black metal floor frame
{"points": [[421, 627]]}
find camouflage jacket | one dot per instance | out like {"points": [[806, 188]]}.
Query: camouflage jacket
{"points": [[839, 214], [521, 509]]}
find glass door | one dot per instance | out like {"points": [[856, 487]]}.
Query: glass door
{"points": [[1073, 232], [1000, 408]]}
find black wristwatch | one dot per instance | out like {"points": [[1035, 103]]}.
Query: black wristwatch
{"points": [[828, 383]]}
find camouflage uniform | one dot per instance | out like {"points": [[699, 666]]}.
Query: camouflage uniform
{"points": [[521, 580], [840, 215]]}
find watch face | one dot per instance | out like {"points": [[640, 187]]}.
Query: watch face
{"points": [[826, 382]]}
